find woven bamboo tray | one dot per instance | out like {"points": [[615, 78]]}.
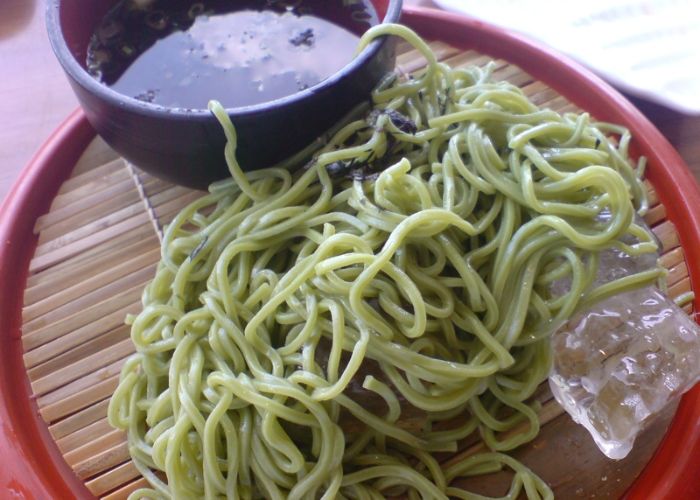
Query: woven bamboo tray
{"points": [[98, 246]]}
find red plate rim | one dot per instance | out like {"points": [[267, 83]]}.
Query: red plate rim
{"points": [[32, 466]]}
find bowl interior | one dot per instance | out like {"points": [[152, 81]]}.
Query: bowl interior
{"points": [[77, 20]]}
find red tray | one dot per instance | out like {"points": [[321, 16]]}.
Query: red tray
{"points": [[32, 466]]}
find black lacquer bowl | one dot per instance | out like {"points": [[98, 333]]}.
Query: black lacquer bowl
{"points": [[185, 146]]}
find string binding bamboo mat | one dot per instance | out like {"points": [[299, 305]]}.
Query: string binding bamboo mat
{"points": [[97, 248]]}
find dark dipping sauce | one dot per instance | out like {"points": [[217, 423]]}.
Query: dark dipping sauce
{"points": [[181, 54]]}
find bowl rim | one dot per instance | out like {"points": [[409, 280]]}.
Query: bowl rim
{"points": [[80, 75]]}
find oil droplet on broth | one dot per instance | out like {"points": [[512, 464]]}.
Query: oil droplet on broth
{"points": [[182, 54]]}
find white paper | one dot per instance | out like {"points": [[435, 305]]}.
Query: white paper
{"points": [[649, 48]]}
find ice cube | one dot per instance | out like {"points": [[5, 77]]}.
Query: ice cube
{"points": [[618, 364], [614, 263]]}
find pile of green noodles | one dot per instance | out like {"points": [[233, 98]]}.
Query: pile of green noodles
{"points": [[408, 263]]}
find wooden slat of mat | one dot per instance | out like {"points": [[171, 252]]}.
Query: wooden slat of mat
{"points": [[124, 219], [680, 287], [103, 204], [83, 436], [76, 204], [129, 248], [165, 198], [672, 258], [105, 215], [135, 225], [512, 74], [92, 448], [668, 236], [677, 273], [651, 193], [90, 391], [115, 166], [76, 387], [97, 249], [81, 335], [403, 47], [113, 478], [101, 454], [79, 420], [442, 51], [100, 283], [474, 58], [89, 316], [655, 215], [538, 92], [47, 257], [112, 195], [78, 305], [84, 366], [96, 344], [96, 184], [104, 460], [126, 490], [97, 153]]}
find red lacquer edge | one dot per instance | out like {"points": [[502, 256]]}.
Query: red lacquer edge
{"points": [[33, 466], [672, 472]]}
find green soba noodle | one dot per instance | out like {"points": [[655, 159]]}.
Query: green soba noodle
{"points": [[409, 263]]}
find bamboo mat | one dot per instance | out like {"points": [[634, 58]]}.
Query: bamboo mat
{"points": [[99, 246]]}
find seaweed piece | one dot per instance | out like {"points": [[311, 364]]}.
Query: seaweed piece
{"points": [[199, 248], [400, 121], [355, 169], [305, 38]]}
